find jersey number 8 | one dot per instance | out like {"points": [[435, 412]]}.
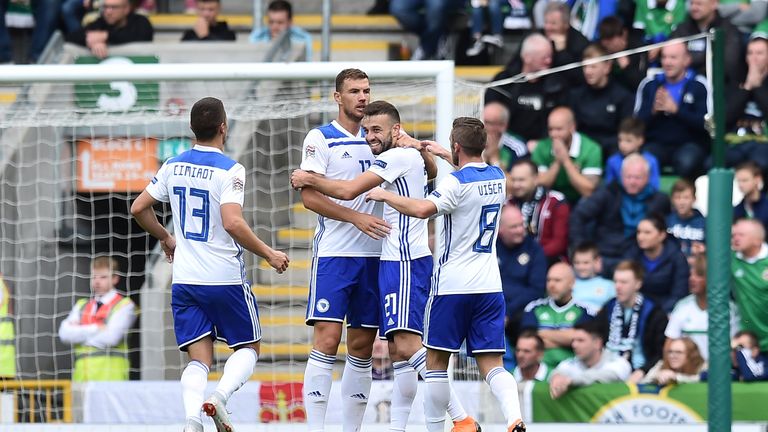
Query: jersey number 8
{"points": [[489, 214], [203, 212]]}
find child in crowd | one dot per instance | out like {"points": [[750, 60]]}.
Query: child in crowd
{"points": [[631, 139], [685, 223], [590, 288], [748, 363]]}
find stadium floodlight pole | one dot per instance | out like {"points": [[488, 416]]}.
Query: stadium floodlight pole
{"points": [[718, 233]]}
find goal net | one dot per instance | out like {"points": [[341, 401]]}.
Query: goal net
{"points": [[73, 157]]}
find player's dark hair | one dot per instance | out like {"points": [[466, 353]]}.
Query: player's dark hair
{"points": [[632, 266], [381, 107], [632, 126], [682, 185], [206, 117], [531, 334], [349, 74], [280, 6], [525, 162], [586, 247], [610, 27], [470, 134]]}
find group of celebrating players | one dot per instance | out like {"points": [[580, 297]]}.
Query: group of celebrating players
{"points": [[371, 266]]}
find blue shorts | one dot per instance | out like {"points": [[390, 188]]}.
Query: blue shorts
{"points": [[404, 289], [224, 312], [478, 318], [344, 287]]}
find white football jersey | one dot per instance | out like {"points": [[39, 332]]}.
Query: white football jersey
{"points": [[196, 183], [334, 152], [403, 172], [471, 200]]}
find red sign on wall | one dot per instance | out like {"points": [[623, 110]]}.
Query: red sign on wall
{"points": [[116, 164], [282, 403]]}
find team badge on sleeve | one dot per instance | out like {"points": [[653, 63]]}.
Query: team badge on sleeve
{"points": [[309, 151], [237, 184]]}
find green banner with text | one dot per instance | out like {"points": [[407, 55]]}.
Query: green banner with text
{"points": [[620, 403]]}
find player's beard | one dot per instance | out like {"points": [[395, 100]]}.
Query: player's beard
{"points": [[382, 146], [352, 114]]}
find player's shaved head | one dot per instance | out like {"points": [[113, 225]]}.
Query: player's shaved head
{"points": [[206, 117]]}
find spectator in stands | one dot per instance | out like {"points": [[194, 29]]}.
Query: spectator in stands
{"points": [[568, 42], [554, 316], [501, 148], [657, 19], [682, 363], [702, 17], [280, 20], [97, 327], [72, 13], [429, 19], [529, 351], [46, 19], [523, 268], [749, 179], [529, 102], [208, 27], [673, 105], [117, 25], [590, 289], [592, 363], [634, 324], [615, 37], [749, 364], [631, 137], [568, 161], [545, 212], [749, 266], [666, 268], [745, 15], [685, 223], [610, 216], [600, 104], [7, 333], [747, 107], [690, 318], [479, 9]]}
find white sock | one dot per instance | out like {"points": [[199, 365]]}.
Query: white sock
{"points": [[355, 389], [237, 370], [504, 387], [419, 362], [194, 378], [436, 400], [403, 393], [317, 388]]}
